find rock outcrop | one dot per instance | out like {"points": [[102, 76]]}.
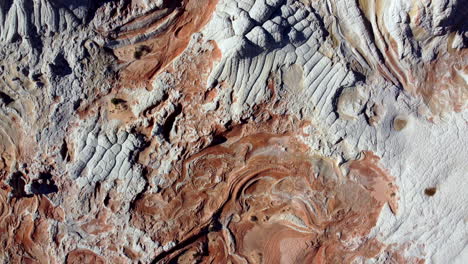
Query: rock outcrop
{"points": [[233, 131]]}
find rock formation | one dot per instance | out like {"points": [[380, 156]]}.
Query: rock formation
{"points": [[233, 131]]}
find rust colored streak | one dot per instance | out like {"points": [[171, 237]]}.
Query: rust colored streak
{"points": [[444, 87], [375, 179], [79, 256], [259, 198], [98, 225], [393, 64], [441, 83], [172, 28], [24, 227], [439, 80]]}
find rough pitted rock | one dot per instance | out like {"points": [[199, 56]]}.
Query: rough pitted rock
{"points": [[233, 131]]}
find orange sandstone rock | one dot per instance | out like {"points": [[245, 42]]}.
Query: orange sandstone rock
{"points": [[170, 29], [79, 256], [24, 237], [260, 198]]}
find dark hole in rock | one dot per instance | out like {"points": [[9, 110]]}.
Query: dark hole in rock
{"points": [[60, 67], [37, 77], [5, 98], [141, 51], [172, 3], [107, 200], [25, 71], [17, 183], [64, 152], [117, 101], [44, 185], [218, 139], [167, 127]]}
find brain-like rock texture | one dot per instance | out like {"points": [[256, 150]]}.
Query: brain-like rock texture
{"points": [[233, 131]]}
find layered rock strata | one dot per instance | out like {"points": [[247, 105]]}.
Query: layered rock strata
{"points": [[233, 131]]}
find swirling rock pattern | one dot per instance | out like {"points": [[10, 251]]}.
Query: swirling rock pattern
{"points": [[25, 224], [258, 198], [233, 131]]}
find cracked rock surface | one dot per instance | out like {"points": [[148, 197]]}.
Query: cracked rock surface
{"points": [[233, 131]]}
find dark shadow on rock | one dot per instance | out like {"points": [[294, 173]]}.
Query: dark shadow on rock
{"points": [[60, 67], [44, 185]]}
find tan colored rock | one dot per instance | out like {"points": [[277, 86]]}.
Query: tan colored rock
{"points": [[228, 131], [260, 198]]}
